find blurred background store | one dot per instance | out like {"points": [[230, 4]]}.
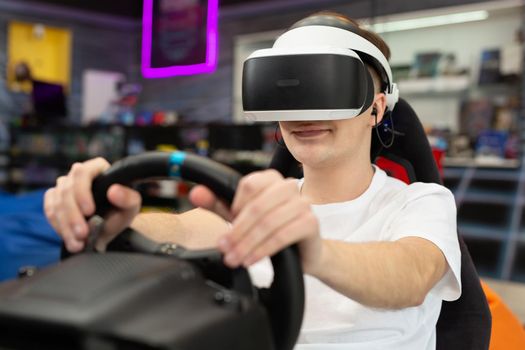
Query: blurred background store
{"points": [[80, 79]]}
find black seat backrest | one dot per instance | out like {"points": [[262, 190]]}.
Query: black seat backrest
{"points": [[464, 323], [413, 146]]}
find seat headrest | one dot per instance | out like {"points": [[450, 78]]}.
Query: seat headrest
{"points": [[412, 145]]}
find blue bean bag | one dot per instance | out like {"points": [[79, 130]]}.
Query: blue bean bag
{"points": [[26, 238]]}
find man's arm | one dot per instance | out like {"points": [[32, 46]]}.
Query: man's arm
{"points": [[194, 229], [269, 214], [389, 275]]}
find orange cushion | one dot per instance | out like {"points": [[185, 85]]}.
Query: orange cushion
{"points": [[507, 331]]}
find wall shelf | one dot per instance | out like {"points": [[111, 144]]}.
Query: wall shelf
{"points": [[521, 237], [486, 254], [441, 85], [495, 198], [518, 273], [38, 155], [496, 163], [482, 232], [491, 212]]}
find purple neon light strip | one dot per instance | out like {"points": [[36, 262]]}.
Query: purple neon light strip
{"points": [[211, 45]]}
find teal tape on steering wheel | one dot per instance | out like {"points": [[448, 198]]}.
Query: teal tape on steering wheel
{"points": [[176, 161]]}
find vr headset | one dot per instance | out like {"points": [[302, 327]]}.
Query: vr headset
{"points": [[314, 72]]}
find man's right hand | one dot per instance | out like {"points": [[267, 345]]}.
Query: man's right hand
{"points": [[69, 203]]}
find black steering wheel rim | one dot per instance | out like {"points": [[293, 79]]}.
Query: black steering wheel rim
{"points": [[284, 299]]}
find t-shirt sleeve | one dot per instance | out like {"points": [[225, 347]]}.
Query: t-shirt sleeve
{"points": [[430, 212]]}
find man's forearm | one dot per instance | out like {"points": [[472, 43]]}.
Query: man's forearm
{"points": [[389, 275], [194, 229]]}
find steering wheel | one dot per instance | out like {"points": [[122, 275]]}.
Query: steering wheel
{"points": [[284, 299]]}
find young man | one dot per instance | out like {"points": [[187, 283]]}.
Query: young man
{"points": [[379, 255]]}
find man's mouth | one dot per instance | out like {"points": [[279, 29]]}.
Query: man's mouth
{"points": [[310, 131]]}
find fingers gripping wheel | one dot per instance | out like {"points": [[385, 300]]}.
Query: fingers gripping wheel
{"points": [[284, 300], [219, 178]]}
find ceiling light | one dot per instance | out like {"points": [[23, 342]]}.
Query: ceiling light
{"points": [[425, 22]]}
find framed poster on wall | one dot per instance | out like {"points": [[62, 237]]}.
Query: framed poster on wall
{"points": [[45, 50], [179, 37]]}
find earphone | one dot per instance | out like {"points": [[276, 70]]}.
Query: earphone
{"points": [[386, 127]]}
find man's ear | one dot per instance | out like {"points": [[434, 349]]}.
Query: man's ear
{"points": [[378, 108]]}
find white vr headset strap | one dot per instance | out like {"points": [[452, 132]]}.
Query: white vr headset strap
{"points": [[392, 97], [318, 35]]}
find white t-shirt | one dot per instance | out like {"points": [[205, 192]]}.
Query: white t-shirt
{"points": [[387, 211]]}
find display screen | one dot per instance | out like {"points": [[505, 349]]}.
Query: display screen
{"points": [[179, 37]]}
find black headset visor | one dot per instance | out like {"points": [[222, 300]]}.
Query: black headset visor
{"points": [[304, 82]]}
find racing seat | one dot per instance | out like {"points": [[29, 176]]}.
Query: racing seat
{"points": [[466, 322]]}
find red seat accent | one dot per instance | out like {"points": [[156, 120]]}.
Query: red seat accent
{"points": [[393, 169]]}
